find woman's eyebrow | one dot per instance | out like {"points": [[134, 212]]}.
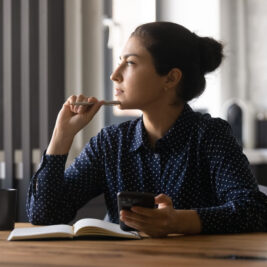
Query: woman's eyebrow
{"points": [[128, 55]]}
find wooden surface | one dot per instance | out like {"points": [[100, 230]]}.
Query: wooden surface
{"points": [[195, 250]]}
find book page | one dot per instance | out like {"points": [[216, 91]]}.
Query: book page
{"points": [[100, 227], [59, 230]]}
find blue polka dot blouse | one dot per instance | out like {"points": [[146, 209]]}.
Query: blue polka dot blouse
{"points": [[198, 163]]}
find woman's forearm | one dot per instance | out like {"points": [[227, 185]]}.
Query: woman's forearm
{"points": [[59, 144]]}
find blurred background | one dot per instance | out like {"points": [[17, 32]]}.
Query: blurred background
{"points": [[51, 49]]}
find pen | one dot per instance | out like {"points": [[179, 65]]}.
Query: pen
{"points": [[106, 103]]}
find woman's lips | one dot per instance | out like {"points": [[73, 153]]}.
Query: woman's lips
{"points": [[118, 92]]}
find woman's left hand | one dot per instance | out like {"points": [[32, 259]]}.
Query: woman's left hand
{"points": [[154, 222]]}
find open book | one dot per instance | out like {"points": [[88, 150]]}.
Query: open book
{"points": [[82, 228]]}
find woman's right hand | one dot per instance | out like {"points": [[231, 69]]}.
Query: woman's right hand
{"points": [[70, 120]]}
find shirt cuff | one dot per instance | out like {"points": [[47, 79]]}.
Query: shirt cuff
{"points": [[60, 160], [216, 219]]}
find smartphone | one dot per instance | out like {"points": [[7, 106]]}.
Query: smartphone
{"points": [[128, 199]]}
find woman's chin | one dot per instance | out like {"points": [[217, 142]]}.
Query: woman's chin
{"points": [[124, 105]]}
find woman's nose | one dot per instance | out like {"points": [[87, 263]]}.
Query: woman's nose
{"points": [[116, 75]]}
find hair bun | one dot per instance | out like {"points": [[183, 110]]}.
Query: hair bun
{"points": [[211, 54]]}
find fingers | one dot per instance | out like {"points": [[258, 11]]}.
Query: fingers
{"points": [[134, 220], [163, 199], [154, 222], [154, 226], [139, 226], [127, 215], [82, 98], [82, 109], [95, 107], [145, 212]]}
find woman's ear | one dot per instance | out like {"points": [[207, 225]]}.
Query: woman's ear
{"points": [[173, 78]]}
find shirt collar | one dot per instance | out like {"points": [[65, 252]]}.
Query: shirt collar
{"points": [[139, 137], [175, 137]]}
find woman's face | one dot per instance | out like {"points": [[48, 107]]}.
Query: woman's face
{"points": [[136, 82]]}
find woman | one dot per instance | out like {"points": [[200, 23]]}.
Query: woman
{"points": [[191, 162]]}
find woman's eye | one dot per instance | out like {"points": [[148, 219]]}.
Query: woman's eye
{"points": [[129, 62]]}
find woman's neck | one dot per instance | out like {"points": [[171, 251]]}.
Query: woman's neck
{"points": [[157, 122]]}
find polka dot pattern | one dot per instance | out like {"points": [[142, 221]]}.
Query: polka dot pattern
{"points": [[198, 163]]}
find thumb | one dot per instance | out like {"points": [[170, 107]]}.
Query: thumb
{"points": [[163, 200]]}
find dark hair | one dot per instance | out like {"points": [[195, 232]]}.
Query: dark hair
{"points": [[173, 46]]}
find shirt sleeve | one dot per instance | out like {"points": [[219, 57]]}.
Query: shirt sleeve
{"points": [[55, 194], [241, 207]]}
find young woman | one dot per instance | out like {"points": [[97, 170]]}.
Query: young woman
{"points": [[191, 162]]}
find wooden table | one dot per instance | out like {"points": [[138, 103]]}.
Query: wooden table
{"points": [[196, 250]]}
